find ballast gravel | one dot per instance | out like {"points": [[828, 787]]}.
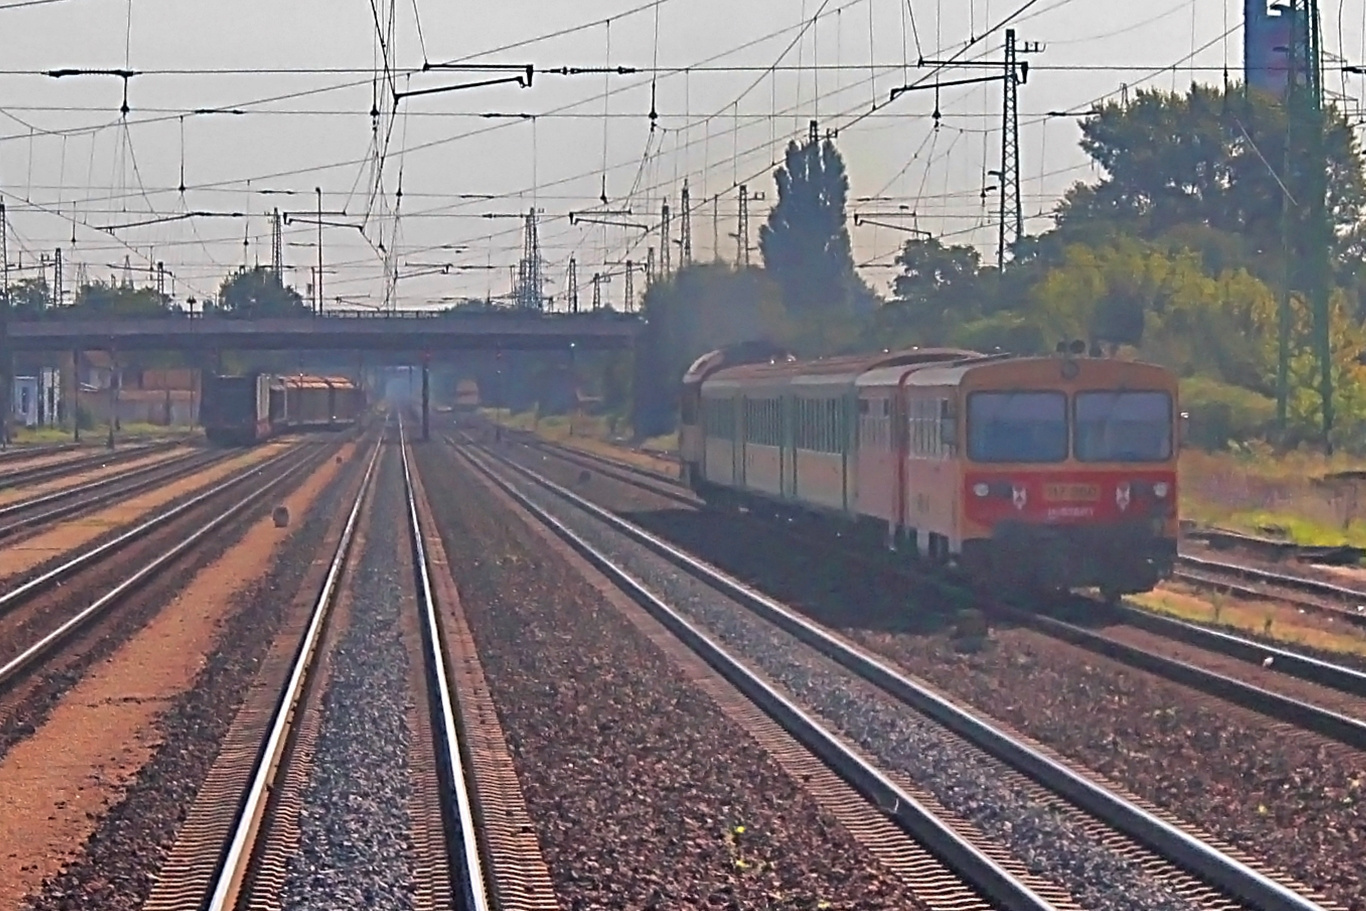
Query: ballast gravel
{"points": [[355, 835], [1047, 838], [643, 793]]}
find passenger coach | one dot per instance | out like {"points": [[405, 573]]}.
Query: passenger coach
{"points": [[1028, 473]]}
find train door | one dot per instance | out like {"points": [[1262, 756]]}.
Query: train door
{"points": [[849, 447], [737, 452]]}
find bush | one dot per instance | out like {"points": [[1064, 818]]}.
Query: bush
{"points": [[1221, 414]]}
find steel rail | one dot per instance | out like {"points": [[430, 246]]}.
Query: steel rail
{"points": [[996, 883], [234, 863], [1346, 729], [35, 652], [39, 473], [1215, 867], [16, 596], [19, 453], [97, 493], [472, 880], [1306, 667]]}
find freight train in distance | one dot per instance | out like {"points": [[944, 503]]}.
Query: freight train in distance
{"points": [[1027, 474], [242, 410]]}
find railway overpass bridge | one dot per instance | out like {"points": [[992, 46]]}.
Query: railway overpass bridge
{"points": [[411, 331], [395, 337]]}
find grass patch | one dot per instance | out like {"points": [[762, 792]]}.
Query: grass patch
{"points": [[1256, 488], [129, 431], [1281, 623]]}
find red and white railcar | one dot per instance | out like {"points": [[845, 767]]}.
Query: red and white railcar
{"points": [[1054, 472]]}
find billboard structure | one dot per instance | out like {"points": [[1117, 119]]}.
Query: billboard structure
{"points": [[1267, 33]]}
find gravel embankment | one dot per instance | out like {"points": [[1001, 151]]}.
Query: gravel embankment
{"points": [[117, 867], [644, 794], [1049, 839], [355, 839], [1298, 802]]}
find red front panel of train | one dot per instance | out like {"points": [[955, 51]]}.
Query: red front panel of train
{"points": [[1068, 497]]}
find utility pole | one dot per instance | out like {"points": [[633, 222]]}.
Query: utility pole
{"points": [[630, 305], [685, 231], [742, 229], [1011, 227], [597, 292], [57, 292], [649, 266], [4, 253], [277, 247], [161, 280], [1305, 120], [716, 228], [665, 266], [573, 285], [1014, 73], [1321, 232], [319, 191]]}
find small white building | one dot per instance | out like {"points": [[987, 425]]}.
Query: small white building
{"points": [[37, 400]]}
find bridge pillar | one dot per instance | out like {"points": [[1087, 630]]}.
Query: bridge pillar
{"points": [[426, 396], [76, 395], [113, 395]]}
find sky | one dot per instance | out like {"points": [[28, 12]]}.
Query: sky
{"points": [[255, 105]]}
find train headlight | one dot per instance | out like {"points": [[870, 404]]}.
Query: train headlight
{"points": [[1161, 489], [980, 489]]}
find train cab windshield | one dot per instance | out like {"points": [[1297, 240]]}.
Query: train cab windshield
{"points": [[1017, 427], [1123, 426], [1111, 426]]}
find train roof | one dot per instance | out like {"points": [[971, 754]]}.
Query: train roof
{"points": [[833, 371], [1035, 369], [753, 352]]}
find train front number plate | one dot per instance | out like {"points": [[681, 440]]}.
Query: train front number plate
{"points": [[1071, 493]]}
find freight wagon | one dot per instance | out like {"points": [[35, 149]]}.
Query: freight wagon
{"points": [[241, 410]]}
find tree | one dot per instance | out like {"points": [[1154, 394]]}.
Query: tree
{"points": [[29, 297], [1213, 157], [699, 309], [100, 299], [939, 288], [258, 292], [805, 243]]}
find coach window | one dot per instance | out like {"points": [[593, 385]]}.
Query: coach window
{"points": [[1017, 427]]}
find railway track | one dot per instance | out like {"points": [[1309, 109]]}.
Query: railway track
{"points": [[20, 453], [1338, 718], [237, 846], [40, 616], [33, 513], [39, 473], [1185, 863]]}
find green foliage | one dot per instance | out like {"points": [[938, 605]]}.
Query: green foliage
{"points": [[1213, 157], [1221, 413], [699, 309], [100, 299], [258, 292], [29, 297], [805, 243]]}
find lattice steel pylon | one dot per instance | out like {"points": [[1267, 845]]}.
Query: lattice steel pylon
{"points": [[530, 281], [630, 297], [1011, 227], [277, 247], [573, 285], [665, 258], [57, 292], [742, 229], [4, 252], [685, 230]]}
